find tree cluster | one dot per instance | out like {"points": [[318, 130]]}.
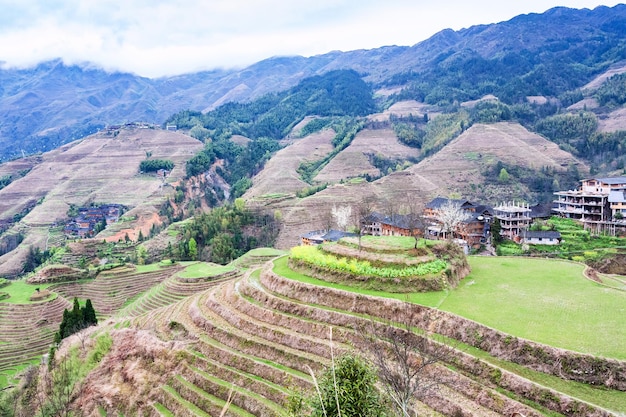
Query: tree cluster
{"points": [[76, 319], [336, 93], [613, 91], [225, 233], [35, 258], [153, 165], [555, 67]]}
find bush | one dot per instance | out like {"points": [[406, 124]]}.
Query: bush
{"points": [[348, 389], [153, 165]]}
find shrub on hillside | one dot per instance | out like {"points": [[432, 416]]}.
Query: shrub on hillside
{"points": [[153, 165]]}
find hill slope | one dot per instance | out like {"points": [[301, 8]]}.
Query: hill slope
{"points": [[98, 169], [464, 166]]}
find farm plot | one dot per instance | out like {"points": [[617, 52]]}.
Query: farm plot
{"points": [[26, 331]]}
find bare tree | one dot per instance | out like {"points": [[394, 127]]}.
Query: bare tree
{"points": [[363, 212], [408, 362], [415, 220], [342, 216], [451, 215]]}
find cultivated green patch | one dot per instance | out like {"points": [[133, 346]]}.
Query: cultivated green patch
{"points": [[20, 292], [312, 255], [281, 267], [548, 301]]}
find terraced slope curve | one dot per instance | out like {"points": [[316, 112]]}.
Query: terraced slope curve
{"points": [[26, 330], [252, 339]]}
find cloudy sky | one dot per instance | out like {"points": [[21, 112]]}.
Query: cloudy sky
{"points": [[165, 37]]}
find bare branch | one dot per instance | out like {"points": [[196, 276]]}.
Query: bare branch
{"points": [[407, 360]]}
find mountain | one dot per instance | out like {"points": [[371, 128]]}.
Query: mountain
{"points": [[102, 168], [53, 103]]}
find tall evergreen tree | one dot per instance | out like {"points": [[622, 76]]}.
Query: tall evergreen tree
{"points": [[89, 314], [76, 319]]}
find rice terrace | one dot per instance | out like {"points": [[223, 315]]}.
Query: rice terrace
{"points": [[245, 334]]}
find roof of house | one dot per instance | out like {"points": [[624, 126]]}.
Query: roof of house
{"points": [[402, 221], [543, 234], [617, 196], [482, 209], [438, 202], [610, 180], [541, 210], [335, 235], [327, 235]]}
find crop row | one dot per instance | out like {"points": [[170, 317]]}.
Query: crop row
{"points": [[313, 256]]}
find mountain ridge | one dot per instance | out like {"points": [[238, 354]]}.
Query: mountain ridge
{"points": [[54, 103]]}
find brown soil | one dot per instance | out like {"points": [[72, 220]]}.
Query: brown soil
{"points": [[40, 295], [354, 161]]}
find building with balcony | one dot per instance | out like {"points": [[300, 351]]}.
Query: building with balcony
{"points": [[514, 219], [598, 203]]}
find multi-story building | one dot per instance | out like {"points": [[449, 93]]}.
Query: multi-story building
{"points": [[514, 218], [599, 203]]}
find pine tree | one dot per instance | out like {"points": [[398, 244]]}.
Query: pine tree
{"points": [[89, 314]]}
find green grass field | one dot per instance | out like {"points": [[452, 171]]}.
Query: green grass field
{"points": [[20, 292], [548, 301]]}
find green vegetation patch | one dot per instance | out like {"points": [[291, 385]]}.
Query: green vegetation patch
{"points": [[204, 269], [153, 165], [281, 267], [548, 301], [312, 255], [19, 292]]}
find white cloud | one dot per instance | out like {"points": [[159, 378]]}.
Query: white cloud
{"points": [[158, 37]]}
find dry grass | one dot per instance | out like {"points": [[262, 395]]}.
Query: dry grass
{"points": [[279, 175], [459, 164], [616, 120], [353, 160]]}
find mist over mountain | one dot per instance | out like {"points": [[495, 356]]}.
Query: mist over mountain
{"points": [[54, 103]]}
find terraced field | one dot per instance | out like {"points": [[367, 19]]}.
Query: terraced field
{"points": [[254, 338], [26, 331], [244, 338]]}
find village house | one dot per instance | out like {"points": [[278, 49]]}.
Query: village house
{"points": [[598, 203], [474, 230], [547, 237], [514, 219], [377, 224], [84, 225]]}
